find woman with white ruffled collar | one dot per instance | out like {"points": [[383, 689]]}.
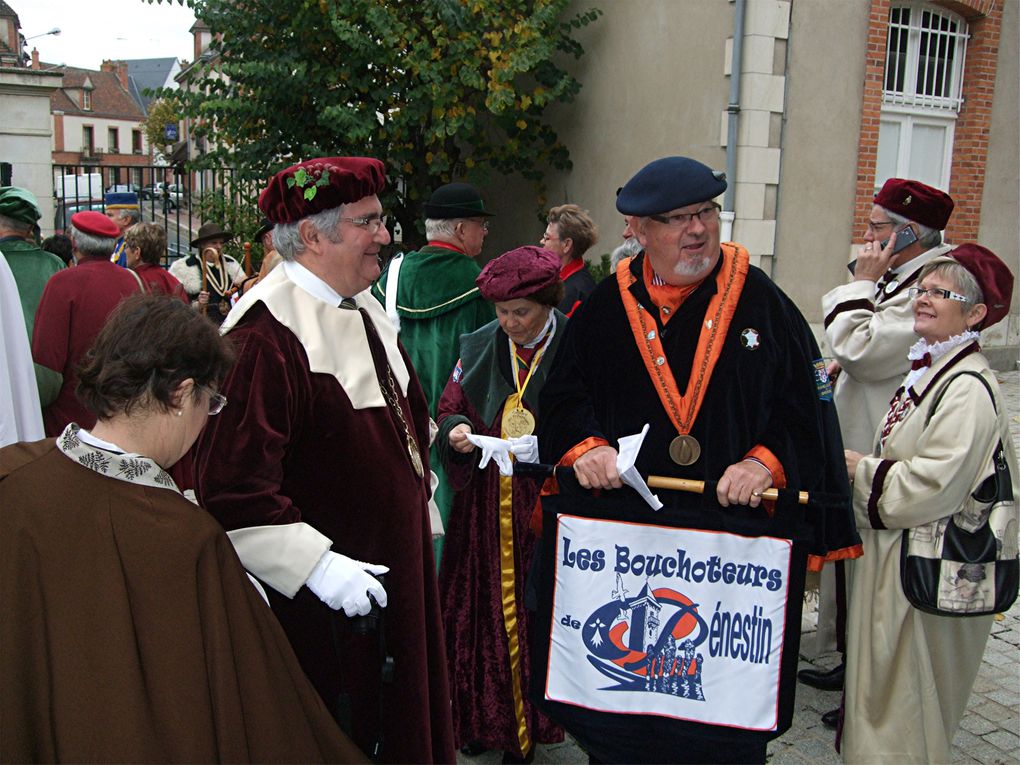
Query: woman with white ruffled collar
{"points": [[909, 673]]}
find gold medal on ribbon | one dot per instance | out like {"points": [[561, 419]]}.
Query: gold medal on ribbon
{"points": [[684, 450], [518, 422]]}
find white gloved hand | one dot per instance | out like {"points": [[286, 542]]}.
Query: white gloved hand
{"points": [[345, 583], [525, 448], [493, 448]]}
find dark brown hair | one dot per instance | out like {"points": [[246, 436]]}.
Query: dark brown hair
{"points": [[551, 294], [148, 346]]}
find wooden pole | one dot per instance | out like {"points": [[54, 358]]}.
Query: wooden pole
{"points": [[247, 258], [698, 487]]}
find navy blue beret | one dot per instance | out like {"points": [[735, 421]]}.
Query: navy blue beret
{"points": [[667, 184]]}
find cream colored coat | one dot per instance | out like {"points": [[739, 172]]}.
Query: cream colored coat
{"points": [[909, 674], [870, 338]]}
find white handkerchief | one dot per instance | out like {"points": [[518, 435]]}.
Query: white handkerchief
{"points": [[625, 459]]}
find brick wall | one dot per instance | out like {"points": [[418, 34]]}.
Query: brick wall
{"points": [[970, 146]]}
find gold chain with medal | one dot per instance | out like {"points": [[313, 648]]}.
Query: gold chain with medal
{"points": [[518, 421]]}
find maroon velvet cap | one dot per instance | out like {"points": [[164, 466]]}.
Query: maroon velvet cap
{"points": [[993, 277], [916, 201], [95, 224], [300, 191], [518, 273]]}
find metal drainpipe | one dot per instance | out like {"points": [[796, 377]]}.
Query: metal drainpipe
{"points": [[733, 110]]}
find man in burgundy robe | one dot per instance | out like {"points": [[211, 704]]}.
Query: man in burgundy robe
{"points": [[325, 445], [74, 306]]}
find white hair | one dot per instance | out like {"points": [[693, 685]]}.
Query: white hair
{"points": [[440, 228], [287, 236], [87, 244], [927, 236]]}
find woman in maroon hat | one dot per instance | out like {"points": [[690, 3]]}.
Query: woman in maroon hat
{"points": [[909, 673], [494, 392]]}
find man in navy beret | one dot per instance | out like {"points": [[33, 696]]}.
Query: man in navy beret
{"points": [[693, 340]]}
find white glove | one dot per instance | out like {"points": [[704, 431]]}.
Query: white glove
{"points": [[493, 448], [342, 582], [525, 448]]}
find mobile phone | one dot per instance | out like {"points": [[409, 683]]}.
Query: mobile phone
{"points": [[904, 239]]}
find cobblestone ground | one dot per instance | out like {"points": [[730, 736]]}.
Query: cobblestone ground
{"points": [[989, 733]]}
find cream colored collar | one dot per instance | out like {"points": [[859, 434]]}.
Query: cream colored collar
{"points": [[334, 338]]}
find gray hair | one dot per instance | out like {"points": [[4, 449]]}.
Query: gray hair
{"points": [[957, 275], [287, 236], [134, 215], [628, 249], [927, 236], [17, 226], [440, 228], [87, 244]]}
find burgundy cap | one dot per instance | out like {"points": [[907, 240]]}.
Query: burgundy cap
{"points": [[993, 277], [320, 184], [518, 274], [916, 201], [95, 224]]}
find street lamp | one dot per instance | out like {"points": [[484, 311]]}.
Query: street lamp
{"points": [[54, 31]]}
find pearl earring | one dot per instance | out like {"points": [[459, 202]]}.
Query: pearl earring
{"points": [[180, 412]]}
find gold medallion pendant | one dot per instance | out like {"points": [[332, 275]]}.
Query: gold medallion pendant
{"points": [[412, 449], [684, 450], [518, 422]]}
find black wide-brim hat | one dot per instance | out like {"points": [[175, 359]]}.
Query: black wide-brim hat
{"points": [[210, 231], [267, 226], [456, 200]]}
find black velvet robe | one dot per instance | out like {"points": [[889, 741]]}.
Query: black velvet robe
{"points": [[767, 394]]}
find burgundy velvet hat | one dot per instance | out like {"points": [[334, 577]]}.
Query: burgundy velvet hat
{"points": [[993, 277], [518, 274], [916, 201], [320, 184], [95, 224]]}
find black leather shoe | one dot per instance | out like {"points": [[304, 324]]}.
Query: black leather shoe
{"points": [[826, 680], [831, 719], [473, 749]]}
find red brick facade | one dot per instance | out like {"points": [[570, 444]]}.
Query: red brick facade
{"points": [[970, 145]]}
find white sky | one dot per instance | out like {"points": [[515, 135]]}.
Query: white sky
{"points": [[93, 30]]}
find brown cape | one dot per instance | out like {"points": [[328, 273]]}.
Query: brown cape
{"points": [[132, 634]]}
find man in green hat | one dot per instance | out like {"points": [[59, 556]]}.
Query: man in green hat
{"points": [[32, 266], [434, 300]]}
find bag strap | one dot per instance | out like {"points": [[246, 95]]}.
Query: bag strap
{"points": [[944, 388]]}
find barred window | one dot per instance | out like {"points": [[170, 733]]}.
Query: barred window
{"points": [[924, 58]]}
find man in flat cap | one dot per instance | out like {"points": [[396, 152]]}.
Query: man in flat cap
{"points": [[320, 463], [869, 327], [32, 266], [124, 209], [74, 307], [700, 345], [431, 296]]}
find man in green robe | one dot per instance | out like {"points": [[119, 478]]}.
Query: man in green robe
{"points": [[436, 301], [32, 266]]}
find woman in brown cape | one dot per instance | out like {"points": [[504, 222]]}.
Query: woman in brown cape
{"points": [[131, 633]]}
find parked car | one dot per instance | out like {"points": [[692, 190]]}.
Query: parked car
{"points": [[154, 191], [64, 211], [123, 188]]}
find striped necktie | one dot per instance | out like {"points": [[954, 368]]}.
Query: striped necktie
{"points": [[349, 304]]}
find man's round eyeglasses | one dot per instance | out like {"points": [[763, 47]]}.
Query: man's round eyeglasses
{"points": [[371, 222], [682, 220], [216, 402], [936, 293]]}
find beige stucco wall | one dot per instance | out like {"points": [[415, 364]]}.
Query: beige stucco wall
{"points": [[634, 106], [1000, 204], [825, 73], [26, 133]]}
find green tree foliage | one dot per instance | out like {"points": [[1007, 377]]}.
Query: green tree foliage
{"points": [[162, 112], [440, 90]]}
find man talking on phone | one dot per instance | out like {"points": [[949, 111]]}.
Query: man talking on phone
{"points": [[869, 326]]}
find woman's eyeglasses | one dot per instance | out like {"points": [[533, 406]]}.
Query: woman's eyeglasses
{"points": [[216, 402], [936, 293]]}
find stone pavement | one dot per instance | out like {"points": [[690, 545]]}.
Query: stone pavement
{"points": [[989, 733]]}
